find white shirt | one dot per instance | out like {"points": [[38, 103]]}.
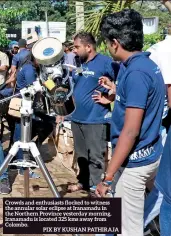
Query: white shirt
{"points": [[4, 61], [161, 55]]}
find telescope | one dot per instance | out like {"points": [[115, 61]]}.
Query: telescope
{"points": [[54, 75]]}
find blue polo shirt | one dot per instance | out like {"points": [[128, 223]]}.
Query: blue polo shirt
{"points": [[163, 177], [20, 57], [140, 84], [87, 111], [25, 76]]}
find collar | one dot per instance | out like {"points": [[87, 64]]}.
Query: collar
{"points": [[91, 58], [135, 56]]}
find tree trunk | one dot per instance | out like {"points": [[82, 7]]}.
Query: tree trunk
{"points": [[167, 4]]}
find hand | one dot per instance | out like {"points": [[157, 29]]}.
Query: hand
{"points": [[106, 83], [101, 190], [99, 98], [11, 79], [59, 119]]}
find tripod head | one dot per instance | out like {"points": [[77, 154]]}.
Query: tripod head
{"points": [[28, 97]]}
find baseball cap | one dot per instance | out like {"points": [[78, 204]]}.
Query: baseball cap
{"points": [[13, 44]]}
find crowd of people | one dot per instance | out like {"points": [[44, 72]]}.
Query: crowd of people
{"points": [[23, 72], [139, 84]]}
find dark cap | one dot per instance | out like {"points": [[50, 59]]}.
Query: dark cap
{"points": [[22, 43]]}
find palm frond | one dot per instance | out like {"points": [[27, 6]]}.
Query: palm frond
{"points": [[96, 10]]}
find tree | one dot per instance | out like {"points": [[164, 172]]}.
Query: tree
{"points": [[12, 13], [8, 13], [3, 39], [95, 10], [57, 10], [100, 8]]}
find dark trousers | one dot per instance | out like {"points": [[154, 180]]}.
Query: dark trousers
{"points": [[41, 128], [90, 143]]}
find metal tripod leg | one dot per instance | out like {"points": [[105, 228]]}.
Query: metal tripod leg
{"points": [[26, 182], [13, 151], [36, 154], [26, 175]]}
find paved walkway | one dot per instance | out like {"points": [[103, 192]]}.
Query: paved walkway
{"points": [[39, 188]]}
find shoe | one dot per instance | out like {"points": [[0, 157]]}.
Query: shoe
{"points": [[5, 186], [32, 175], [75, 187]]}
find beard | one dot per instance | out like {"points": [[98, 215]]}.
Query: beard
{"points": [[83, 58]]}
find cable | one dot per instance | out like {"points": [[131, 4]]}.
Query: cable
{"points": [[8, 98]]}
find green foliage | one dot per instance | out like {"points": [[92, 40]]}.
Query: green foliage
{"points": [[35, 11], [7, 14], [3, 39], [96, 10], [102, 48], [12, 13], [151, 39]]}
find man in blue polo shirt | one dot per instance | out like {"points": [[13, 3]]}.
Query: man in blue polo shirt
{"points": [[136, 118], [89, 120], [163, 184], [24, 77]]}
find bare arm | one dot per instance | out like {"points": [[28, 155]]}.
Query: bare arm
{"points": [[127, 138], [169, 95], [3, 68], [4, 63], [11, 79], [125, 143], [167, 4], [13, 69]]}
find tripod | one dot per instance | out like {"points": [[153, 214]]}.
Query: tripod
{"points": [[26, 145]]}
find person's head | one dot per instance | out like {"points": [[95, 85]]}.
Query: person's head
{"points": [[84, 45], [22, 43], [15, 49], [123, 32], [68, 46]]}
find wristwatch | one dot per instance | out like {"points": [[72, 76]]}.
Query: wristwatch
{"points": [[106, 181]]}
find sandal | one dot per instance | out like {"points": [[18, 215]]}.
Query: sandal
{"points": [[75, 187]]}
